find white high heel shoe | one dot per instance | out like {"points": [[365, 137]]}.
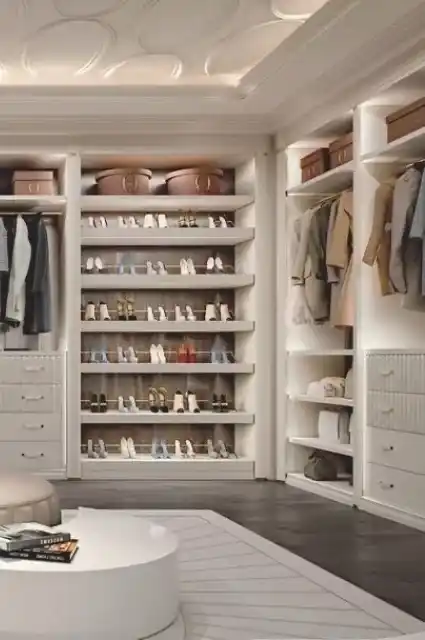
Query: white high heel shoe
{"points": [[149, 221], [178, 314], [90, 222], [225, 314], [90, 264], [154, 355], [120, 355], [162, 314], [90, 312], [162, 220], [223, 222], [150, 269], [191, 267], [178, 402], [190, 451], [210, 312], [98, 263], [131, 448], [121, 406], [161, 354], [219, 266], [211, 222], [210, 265], [161, 268], [192, 402], [184, 270], [103, 222], [151, 316], [178, 449], [131, 356], [190, 315], [132, 222], [103, 311], [122, 222], [125, 453], [133, 408]]}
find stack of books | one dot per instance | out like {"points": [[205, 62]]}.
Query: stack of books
{"points": [[33, 541]]}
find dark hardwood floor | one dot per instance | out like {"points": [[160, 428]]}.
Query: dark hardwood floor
{"points": [[380, 556]]}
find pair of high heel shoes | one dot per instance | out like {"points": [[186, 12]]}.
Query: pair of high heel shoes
{"points": [[94, 265], [158, 400], [187, 220], [219, 222], [98, 403], [218, 450], [125, 309], [219, 404], [127, 355], [98, 357], [184, 450], [219, 353], [128, 450], [131, 406], [96, 451], [92, 311], [159, 450]]}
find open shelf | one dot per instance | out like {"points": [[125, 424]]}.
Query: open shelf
{"points": [[338, 402], [316, 443], [147, 417], [104, 204], [44, 204], [138, 282], [406, 149], [145, 467], [170, 237], [166, 326], [328, 183], [169, 367], [339, 490]]}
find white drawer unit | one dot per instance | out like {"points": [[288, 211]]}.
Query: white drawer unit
{"points": [[31, 369], [399, 489], [396, 411], [402, 372], [30, 427], [395, 449], [40, 398], [31, 456]]}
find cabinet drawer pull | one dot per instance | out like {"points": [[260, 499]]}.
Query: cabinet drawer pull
{"points": [[387, 373], [388, 447], [33, 398], [386, 485], [33, 426], [34, 369], [32, 456], [389, 410]]}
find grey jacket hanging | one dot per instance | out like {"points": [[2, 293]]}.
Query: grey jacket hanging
{"points": [[37, 300]]}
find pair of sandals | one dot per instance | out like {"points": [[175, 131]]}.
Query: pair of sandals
{"points": [[187, 220], [219, 450], [160, 450], [158, 400], [125, 309]]}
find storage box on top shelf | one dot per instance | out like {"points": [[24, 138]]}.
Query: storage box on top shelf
{"points": [[406, 120]]}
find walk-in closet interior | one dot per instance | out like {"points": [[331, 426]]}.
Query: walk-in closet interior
{"points": [[211, 266]]}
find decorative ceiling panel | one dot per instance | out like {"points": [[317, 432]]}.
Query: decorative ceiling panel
{"points": [[142, 42]]}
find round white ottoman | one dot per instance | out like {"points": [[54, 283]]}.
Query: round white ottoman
{"points": [[123, 584], [28, 498]]}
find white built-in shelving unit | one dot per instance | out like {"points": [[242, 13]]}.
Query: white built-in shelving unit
{"points": [[388, 342]]}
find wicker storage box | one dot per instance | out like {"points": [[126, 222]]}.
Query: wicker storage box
{"points": [[200, 181], [406, 120], [341, 151], [314, 164], [32, 183], [124, 182]]}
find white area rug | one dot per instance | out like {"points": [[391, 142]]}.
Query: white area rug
{"points": [[236, 585]]}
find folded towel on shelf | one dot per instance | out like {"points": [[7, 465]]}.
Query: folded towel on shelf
{"points": [[329, 387]]}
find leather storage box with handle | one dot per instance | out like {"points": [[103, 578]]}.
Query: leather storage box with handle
{"points": [[197, 181], [124, 182], [341, 151], [314, 164], [406, 120], [33, 183]]}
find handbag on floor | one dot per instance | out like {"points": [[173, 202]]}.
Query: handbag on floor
{"points": [[320, 468]]}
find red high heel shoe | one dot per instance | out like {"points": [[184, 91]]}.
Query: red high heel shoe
{"points": [[191, 353], [182, 354]]}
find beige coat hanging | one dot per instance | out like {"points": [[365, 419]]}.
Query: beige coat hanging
{"points": [[339, 262]]}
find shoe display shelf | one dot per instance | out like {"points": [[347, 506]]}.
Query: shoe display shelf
{"points": [[151, 282], [311, 351]]}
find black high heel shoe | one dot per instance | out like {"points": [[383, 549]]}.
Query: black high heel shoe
{"points": [[224, 405], [103, 405], [215, 404], [94, 403]]}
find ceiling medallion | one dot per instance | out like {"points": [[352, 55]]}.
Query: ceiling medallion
{"points": [[87, 8], [296, 9], [238, 53], [98, 36]]}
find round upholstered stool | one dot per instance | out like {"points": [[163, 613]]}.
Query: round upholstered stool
{"points": [[28, 498]]}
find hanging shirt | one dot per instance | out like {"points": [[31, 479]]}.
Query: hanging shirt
{"points": [[4, 254]]}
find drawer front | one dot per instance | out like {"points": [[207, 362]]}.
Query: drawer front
{"points": [[396, 411], [32, 427], [29, 369], [23, 398], [31, 456], [398, 450], [396, 488], [397, 372]]}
